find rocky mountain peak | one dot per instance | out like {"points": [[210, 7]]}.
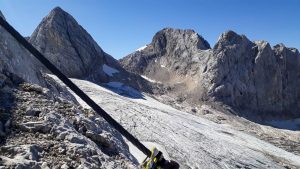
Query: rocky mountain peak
{"points": [[1, 15], [58, 9], [65, 42], [58, 16], [282, 51], [73, 50], [177, 37], [231, 38], [246, 75], [172, 48]]}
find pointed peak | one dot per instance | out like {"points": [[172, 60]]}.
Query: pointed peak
{"points": [[231, 38], [57, 10], [57, 16], [283, 47], [58, 13], [1, 15], [177, 31], [262, 43], [280, 45], [229, 35]]}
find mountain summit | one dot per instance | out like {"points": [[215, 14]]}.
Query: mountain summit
{"points": [[72, 49], [66, 44], [170, 47]]}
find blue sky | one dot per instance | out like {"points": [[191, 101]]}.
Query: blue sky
{"points": [[122, 26]]}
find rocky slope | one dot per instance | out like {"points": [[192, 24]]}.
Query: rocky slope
{"points": [[249, 76], [42, 125], [39, 129], [72, 49]]}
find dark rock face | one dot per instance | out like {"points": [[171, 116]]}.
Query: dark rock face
{"points": [[1, 15], [16, 61], [248, 74], [289, 61], [243, 74], [70, 47], [14, 58]]}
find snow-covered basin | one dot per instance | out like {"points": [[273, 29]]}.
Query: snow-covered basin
{"points": [[192, 141]]}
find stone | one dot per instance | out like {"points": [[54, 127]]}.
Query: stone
{"points": [[64, 166], [45, 165], [40, 126], [52, 140], [101, 139], [32, 112]]}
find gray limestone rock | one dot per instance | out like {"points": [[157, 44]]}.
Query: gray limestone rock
{"points": [[72, 49], [170, 48], [20, 64], [249, 76], [52, 137], [16, 59], [68, 46]]}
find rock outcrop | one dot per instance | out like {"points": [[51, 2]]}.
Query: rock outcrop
{"points": [[67, 45], [249, 76], [72, 49], [41, 123], [39, 129], [14, 58], [173, 49]]}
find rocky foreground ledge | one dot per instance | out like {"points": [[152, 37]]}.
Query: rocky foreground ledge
{"points": [[39, 129]]}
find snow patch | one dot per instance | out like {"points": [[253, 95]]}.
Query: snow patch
{"points": [[122, 89], [150, 80], [109, 70], [162, 66], [115, 84], [141, 48]]}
